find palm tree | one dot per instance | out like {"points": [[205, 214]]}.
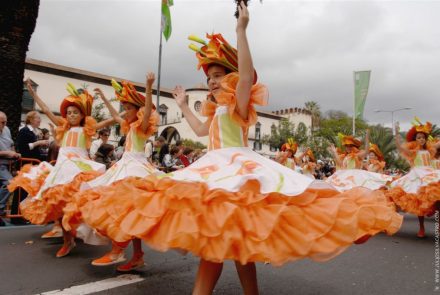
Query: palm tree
{"points": [[17, 23], [315, 109]]}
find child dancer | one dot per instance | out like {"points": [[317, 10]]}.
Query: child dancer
{"points": [[418, 191], [376, 161], [51, 188], [287, 155], [233, 203], [349, 173], [139, 124]]}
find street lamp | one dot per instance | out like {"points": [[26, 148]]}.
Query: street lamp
{"points": [[392, 115]]}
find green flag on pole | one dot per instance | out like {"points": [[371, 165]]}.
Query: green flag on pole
{"points": [[166, 18], [361, 82]]}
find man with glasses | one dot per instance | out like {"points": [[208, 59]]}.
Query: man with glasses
{"points": [[6, 153]]}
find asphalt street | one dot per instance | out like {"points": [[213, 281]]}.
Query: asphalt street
{"points": [[401, 264]]}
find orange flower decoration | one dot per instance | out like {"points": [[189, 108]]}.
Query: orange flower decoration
{"points": [[79, 98], [216, 51]]}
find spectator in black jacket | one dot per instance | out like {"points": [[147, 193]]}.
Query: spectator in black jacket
{"points": [[28, 143]]}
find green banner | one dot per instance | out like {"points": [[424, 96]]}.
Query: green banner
{"points": [[361, 82], [166, 18]]}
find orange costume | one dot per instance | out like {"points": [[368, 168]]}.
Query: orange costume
{"points": [[51, 188], [419, 190], [235, 204], [376, 165], [88, 204], [351, 175]]}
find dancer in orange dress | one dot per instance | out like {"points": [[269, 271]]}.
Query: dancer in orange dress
{"points": [[232, 203], [376, 162], [349, 173], [287, 155], [51, 187], [139, 123], [418, 192]]}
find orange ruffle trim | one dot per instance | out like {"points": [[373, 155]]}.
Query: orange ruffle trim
{"points": [[244, 226], [258, 96], [50, 206], [152, 123], [413, 147], [31, 186], [89, 129], [422, 203]]}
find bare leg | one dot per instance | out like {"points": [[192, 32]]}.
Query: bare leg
{"points": [[421, 233], [137, 261], [248, 277], [69, 243], [207, 277]]}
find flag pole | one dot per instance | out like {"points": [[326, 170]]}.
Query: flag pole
{"points": [[160, 61], [354, 104]]}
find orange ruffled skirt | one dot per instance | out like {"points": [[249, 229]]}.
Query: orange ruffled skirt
{"points": [[245, 226], [52, 202], [422, 203]]}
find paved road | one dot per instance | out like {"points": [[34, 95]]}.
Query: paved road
{"points": [[401, 264]]}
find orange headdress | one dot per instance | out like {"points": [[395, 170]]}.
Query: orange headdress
{"points": [[418, 127], [79, 98], [216, 51], [289, 145], [309, 153], [127, 93], [375, 149], [349, 140]]}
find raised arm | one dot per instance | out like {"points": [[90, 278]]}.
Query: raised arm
{"points": [[245, 65], [363, 153], [334, 153], [148, 101], [298, 160], [41, 104], [113, 112], [200, 128], [399, 145]]}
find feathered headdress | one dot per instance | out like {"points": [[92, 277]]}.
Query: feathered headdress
{"points": [[418, 127], [349, 140], [127, 93], [216, 51], [79, 98], [289, 145]]}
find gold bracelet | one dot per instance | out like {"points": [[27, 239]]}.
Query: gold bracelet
{"points": [[149, 92]]}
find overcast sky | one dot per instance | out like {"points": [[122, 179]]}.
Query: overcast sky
{"points": [[302, 50]]}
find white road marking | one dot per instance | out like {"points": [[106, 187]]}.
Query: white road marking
{"points": [[98, 286]]}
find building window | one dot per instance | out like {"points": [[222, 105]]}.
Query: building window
{"points": [[198, 106], [257, 142], [27, 102], [163, 109]]}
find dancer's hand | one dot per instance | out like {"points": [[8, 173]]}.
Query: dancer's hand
{"points": [[29, 87], [150, 80], [397, 128], [179, 95], [243, 17], [99, 92]]}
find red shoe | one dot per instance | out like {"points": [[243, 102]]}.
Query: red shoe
{"points": [[421, 233], [55, 232], [136, 262], [65, 250], [109, 259], [362, 239]]}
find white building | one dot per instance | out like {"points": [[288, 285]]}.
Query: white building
{"points": [[50, 82]]}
